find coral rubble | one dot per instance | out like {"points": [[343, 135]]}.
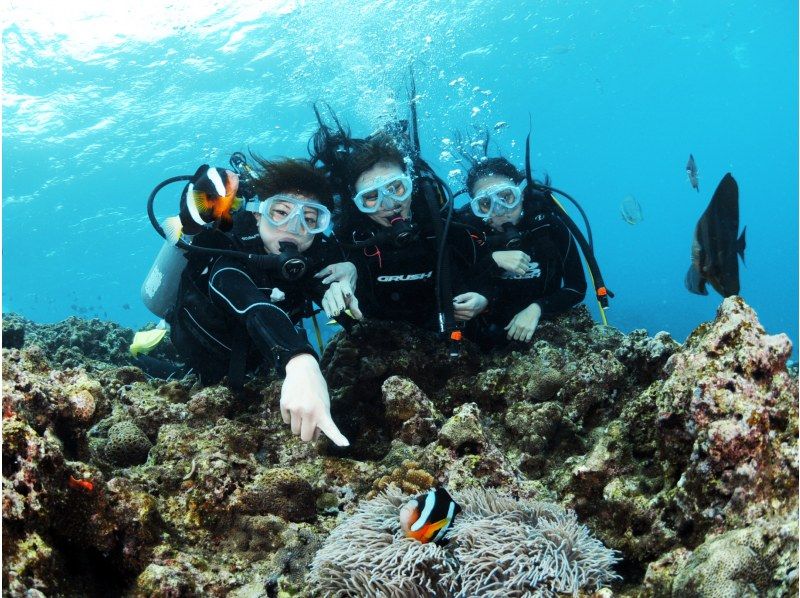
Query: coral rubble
{"points": [[681, 459]]}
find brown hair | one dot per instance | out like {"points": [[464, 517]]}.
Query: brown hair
{"points": [[378, 149], [290, 175]]}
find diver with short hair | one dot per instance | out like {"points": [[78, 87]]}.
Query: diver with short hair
{"points": [[526, 251], [251, 287]]}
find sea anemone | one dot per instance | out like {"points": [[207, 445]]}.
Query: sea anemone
{"points": [[507, 547], [368, 555], [498, 546]]}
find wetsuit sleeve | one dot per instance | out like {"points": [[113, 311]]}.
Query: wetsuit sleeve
{"points": [[232, 289], [573, 286]]}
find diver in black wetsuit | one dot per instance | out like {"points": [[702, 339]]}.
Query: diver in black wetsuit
{"points": [[387, 227], [226, 305], [527, 253]]}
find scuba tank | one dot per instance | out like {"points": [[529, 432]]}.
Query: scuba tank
{"points": [[160, 288]]}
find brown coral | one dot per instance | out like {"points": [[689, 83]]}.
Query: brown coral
{"points": [[409, 478]]}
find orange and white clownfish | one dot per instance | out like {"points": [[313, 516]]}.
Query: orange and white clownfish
{"points": [[428, 516], [209, 198]]}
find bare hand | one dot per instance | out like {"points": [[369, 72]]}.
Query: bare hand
{"points": [[516, 262], [339, 272], [339, 297], [523, 325], [468, 305], [305, 403]]}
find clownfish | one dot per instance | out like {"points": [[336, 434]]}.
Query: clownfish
{"points": [[428, 516], [210, 197]]}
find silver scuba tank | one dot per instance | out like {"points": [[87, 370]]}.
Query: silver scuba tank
{"points": [[160, 288]]}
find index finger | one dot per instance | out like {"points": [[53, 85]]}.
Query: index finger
{"points": [[324, 272], [331, 431]]}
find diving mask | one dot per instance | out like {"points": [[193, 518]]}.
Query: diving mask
{"points": [[497, 200], [296, 215], [386, 193]]}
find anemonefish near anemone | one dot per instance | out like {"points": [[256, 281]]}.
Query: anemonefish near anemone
{"points": [[428, 516], [209, 198]]}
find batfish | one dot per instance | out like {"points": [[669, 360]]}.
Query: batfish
{"points": [[631, 210], [715, 244]]}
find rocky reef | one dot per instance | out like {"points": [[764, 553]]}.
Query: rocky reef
{"points": [[681, 458]]}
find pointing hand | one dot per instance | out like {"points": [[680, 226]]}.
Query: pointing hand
{"points": [[305, 403]]}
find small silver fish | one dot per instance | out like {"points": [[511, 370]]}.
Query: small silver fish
{"points": [[500, 125], [631, 210], [691, 172]]}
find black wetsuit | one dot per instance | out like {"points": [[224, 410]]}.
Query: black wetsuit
{"points": [[224, 306], [556, 283], [399, 283]]}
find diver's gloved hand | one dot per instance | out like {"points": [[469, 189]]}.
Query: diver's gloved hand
{"points": [[338, 297], [342, 271], [516, 262], [305, 403], [523, 325], [468, 305]]}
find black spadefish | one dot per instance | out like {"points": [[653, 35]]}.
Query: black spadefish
{"points": [[715, 244]]}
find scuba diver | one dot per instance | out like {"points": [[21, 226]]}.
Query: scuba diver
{"points": [[530, 248], [529, 255], [242, 294], [390, 223]]}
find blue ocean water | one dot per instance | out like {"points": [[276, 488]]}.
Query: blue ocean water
{"points": [[102, 100]]}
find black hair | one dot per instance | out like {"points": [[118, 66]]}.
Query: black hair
{"points": [[482, 165], [378, 149], [493, 166], [291, 175], [344, 159], [365, 154]]}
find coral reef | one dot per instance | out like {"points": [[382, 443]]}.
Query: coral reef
{"points": [[409, 478], [127, 445], [681, 458], [78, 342]]}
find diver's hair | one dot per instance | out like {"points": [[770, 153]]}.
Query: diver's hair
{"points": [[291, 175], [364, 154], [327, 145], [378, 149], [493, 166]]}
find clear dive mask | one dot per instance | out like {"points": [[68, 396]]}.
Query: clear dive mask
{"points": [[295, 215], [497, 200], [385, 193]]}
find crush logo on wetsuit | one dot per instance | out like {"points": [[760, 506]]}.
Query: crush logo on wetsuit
{"points": [[533, 272], [405, 277]]}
